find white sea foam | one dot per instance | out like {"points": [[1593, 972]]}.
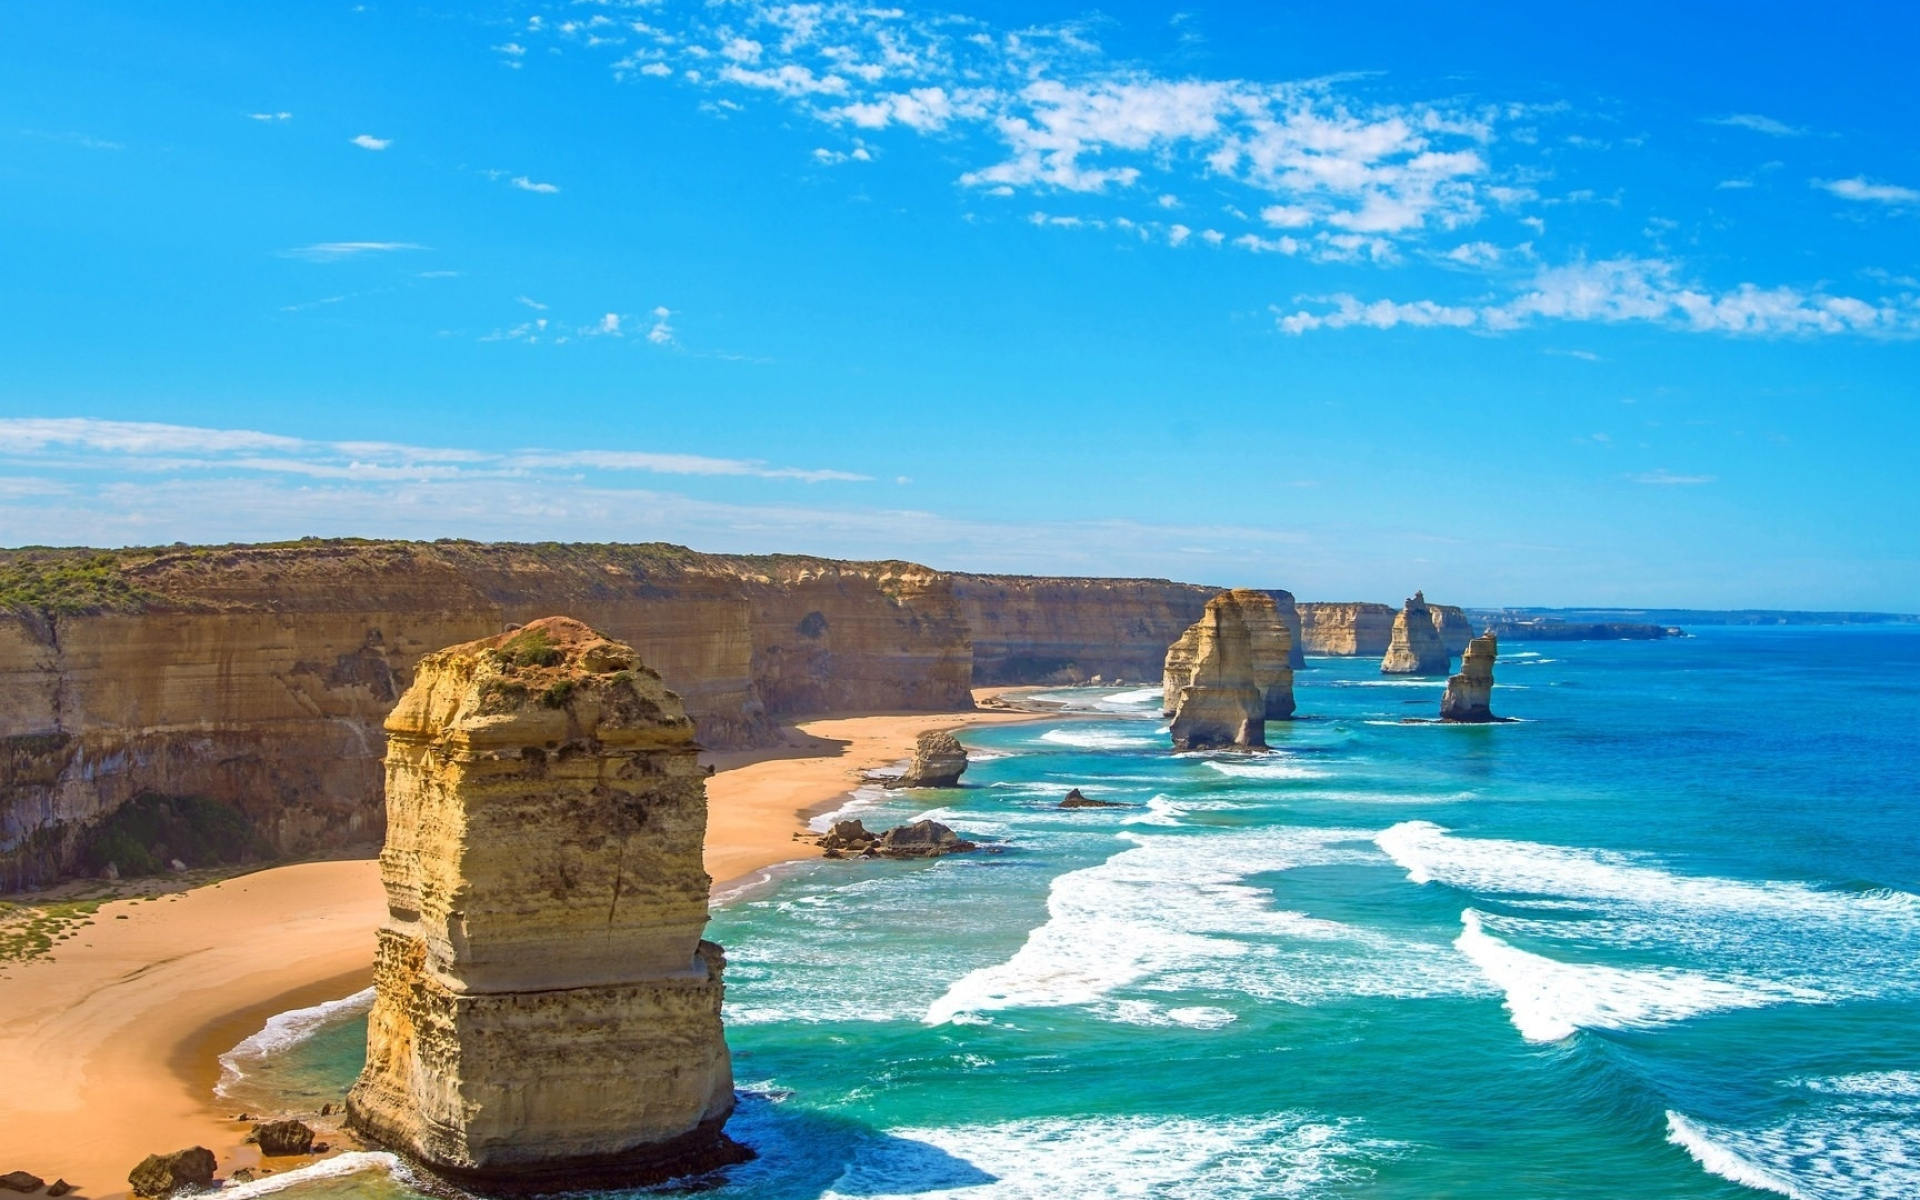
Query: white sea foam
{"points": [[1755, 943], [1145, 695], [351, 1163], [1271, 766], [863, 799], [1173, 914], [1725, 1162], [1159, 811], [1881, 1085], [1550, 1000], [1177, 1158], [1105, 738], [285, 1030], [1372, 683]]}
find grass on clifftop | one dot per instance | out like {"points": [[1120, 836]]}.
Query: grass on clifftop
{"points": [[70, 581]]}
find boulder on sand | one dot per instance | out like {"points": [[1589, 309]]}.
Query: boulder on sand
{"points": [[938, 761], [280, 1138], [160, 1175], [21, 1181]]}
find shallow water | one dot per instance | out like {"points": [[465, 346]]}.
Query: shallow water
{"points": [[1661, 938]]}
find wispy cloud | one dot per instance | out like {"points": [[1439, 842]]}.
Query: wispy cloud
{"points": [[333, 251], [73, 443], [1863, 189], [1759, 124], [367, 141], [662, 333], [270, 116], [82, 140], [527, 185], [1626, 289], [1665, 478]]}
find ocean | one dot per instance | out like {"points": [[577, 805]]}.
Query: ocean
{"points": [[1658, 937]]}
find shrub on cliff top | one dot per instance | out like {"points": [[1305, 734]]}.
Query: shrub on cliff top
{"points": [[145, 834], [532, 648], [69, 581]]}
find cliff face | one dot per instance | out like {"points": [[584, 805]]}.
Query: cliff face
{"points": [[1450, 622], [1469, 695], [1028, 629], [545, 1012], [1218, 704], [1414, 647], [259, 676], [1345, 630]]}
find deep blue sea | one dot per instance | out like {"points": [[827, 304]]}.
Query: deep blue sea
{"points": [[1660, 937]]}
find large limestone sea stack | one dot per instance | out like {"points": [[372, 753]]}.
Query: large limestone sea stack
{"points": [[1211, 685], [546, 1015], [1416, 648], [1270, 642], [1469, 695]]}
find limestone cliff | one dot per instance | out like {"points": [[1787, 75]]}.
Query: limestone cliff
{"points": [[1219, 705], [1469, 695], [546, 1015], [1450, 622], [259, 675], [1346, 630], [1271, 646], [1415, 647]]}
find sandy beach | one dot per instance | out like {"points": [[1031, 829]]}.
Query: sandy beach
{"points": [[109, 1046]]}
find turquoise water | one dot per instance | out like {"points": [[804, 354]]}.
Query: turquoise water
{"points": [[1660, 938]]}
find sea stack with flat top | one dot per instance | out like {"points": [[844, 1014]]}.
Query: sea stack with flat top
{"points": [[1469, 697], [1216, 703], [1270, 642], [546, 1014], [1416, 647]]}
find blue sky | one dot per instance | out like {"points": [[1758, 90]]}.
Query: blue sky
{"points": [[1518, 307]]}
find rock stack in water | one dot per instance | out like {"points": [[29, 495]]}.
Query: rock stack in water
{"points": [[1270, 643], [1416, 648], [1470, 693], [546, 1015], [1450, 620], [1210, 682], [938, 761]]}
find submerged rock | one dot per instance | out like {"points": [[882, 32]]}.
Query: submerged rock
{"points": [[938, 761], [1210, 682], [1469, 695], [160, 1175], [546, 1014], [279, 1138], [1416, 648], [1076, 800]]}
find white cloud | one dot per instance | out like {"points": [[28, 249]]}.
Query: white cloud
{"points": [[1759, 124], [511, 49], [1177, 234], [1475, 254], [1861, 188], [367, 141], [270, 116], [531, 303], [527, 185], [662, 333], [83, 443], [1627, 289], [331, 251], [609, 324]]}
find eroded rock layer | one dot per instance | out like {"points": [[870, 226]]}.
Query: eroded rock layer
{"points": [[1345, 630], [1270, 642], [1469, 695], [1450, 621], [1415, 647], [546, 1014], [1219, 704]]}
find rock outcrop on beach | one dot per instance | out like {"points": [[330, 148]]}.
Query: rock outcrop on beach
{"points": [[922, 839], [1215, 700], [1469, 695], [1450, 622], [1415, 648], [161, 1175], [546, 1014], [1346, 630], [938, 761], [21, 1181], [1270, 642], [278, 1139]]}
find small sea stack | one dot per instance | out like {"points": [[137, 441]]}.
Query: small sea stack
{"points": [[1469, 695], [1211, 685], [938, 761], [546, 1014], [1415, 647]]}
